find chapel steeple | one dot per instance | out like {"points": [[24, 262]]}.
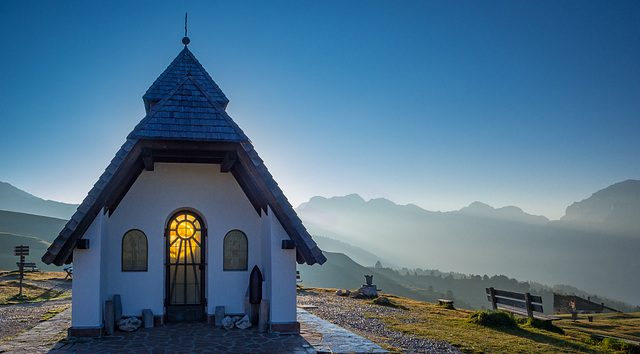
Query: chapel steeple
{"points": [[185, 64]]}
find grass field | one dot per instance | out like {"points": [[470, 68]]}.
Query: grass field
{"points": [[431, 321], [10, 287], [618, 325]]}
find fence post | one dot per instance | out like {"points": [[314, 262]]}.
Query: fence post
{"points": [[527, 298], [492, 293]]}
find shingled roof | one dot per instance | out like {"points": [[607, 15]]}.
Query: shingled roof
{"points": [[185, 63], [186, 121]]}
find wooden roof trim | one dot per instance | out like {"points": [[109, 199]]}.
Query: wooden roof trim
{"points": [[280, 205], [60, 250]]}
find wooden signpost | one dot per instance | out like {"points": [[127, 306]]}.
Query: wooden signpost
{"points": [[21, 251]]}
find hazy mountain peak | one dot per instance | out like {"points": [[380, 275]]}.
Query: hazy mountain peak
{"points": [[508, 213], [476, 207], [615, 208], [15, 199], [354, 198]]}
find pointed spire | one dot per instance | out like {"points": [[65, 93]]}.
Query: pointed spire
{"points": [[185, 39], [184, 64]]}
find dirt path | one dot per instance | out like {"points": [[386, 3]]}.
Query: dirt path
{"points": [[14, 319]]}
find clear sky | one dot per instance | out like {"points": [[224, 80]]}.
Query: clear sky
{"points": [[436, 103]]}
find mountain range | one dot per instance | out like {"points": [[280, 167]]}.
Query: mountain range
{"points": [[594, 246], [14, 199]]}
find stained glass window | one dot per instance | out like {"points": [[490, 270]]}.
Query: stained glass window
{"points": [[235, 251], [134, 251], [184, 244]]}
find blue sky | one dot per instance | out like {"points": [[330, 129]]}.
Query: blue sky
{"points": [[527, 103]]}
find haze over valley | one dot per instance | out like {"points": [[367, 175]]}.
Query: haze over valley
{"points": [[594, 246], [592, 249]]}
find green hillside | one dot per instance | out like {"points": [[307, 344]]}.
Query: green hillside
{"points": [[34, 231], [42, 227], [342, 272], [37, 248], [468, 291]]}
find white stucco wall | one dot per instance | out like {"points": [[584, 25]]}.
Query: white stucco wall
{"points": [[87, 308], [282, 275], [151, 201]]}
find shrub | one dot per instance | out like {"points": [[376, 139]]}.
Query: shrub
{"points": [[384, 301], [448, 306], [540, 324], [613, 344], [493, 319]]}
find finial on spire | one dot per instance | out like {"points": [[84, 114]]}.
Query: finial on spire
{"points": [[186, 39]]}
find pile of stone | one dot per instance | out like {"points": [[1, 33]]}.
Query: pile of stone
{"points": [[237, 321], [129, 324]]}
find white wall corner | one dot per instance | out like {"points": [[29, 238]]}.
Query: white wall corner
{"points": [[87, 307], [283, 276]]}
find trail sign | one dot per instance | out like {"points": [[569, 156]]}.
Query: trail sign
{"points": [[21, 250]]}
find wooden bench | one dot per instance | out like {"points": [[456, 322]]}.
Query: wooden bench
{"points": [[519, 304], [298, 280], [31, 266], [445, 302]]}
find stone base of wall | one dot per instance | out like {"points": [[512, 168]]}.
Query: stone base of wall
{"points": [[92, 332], [289, 327], [158, 321]]}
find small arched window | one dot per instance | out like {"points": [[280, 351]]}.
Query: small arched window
{"points": [[134, 251], [235, 251]]}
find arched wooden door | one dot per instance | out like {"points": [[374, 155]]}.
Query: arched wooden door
{"points": [[185, 267]]}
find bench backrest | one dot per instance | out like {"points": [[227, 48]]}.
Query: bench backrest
{"points": [[531, 303]]}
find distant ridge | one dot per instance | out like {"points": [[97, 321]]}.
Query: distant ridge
{"points": [[594, 246], [43, 227], [14, 199], [613, 209]]}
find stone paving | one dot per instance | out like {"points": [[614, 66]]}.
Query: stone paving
{"points": [[317, 336], [325, 337], [41, 338]]}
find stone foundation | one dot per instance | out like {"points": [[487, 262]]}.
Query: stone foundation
{"points": [[91, 332], [289, 327]]}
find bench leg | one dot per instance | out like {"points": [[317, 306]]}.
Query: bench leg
{"points": [[527, 298]]}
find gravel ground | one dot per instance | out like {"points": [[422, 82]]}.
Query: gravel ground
{"points": [[349, 313], [14, 319]]}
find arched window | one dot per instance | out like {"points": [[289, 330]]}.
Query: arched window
{"points": [[235, 251], [134, 251], [185, 260]]}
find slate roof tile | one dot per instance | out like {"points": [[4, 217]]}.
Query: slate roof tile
{"points": [[184, 63]]}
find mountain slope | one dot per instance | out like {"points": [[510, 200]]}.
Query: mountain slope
{"points": [[468, 291], [615, 209], [37, 248], [482, 240], [415, 237], [14, 199], [42, 227], [342, 272], [359, 255]]}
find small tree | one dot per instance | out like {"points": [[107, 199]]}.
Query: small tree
{"points": [[378, 265]]}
